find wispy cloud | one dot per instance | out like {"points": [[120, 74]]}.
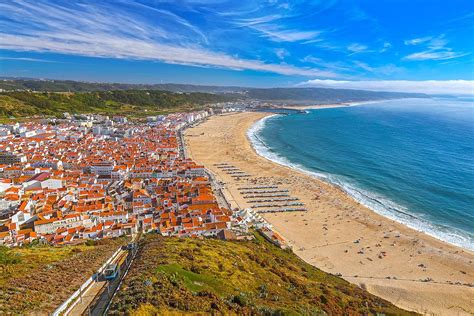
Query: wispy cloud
{"points": [[285, 6], [388, 69], [37, 60], [107, 46], [434, 49], [427, 86], [325, 39], [259, 20], [268, 27], [88, 30], [438, 43], [286, 35], [176, 18], [332, 66], [465, 17], [435, 55], [419, 40], [282, 53], [385, 47], [357, 48], [280, 26]]}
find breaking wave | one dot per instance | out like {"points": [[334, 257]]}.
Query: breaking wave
{"points": [[372, 200]]}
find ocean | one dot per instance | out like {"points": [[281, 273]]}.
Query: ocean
{"points": [[411, 160]]}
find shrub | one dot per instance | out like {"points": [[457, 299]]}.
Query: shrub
{"points": [[90, 242], [220, 265], [8, 257], [240, 299], [188, 254], [195, 269]]}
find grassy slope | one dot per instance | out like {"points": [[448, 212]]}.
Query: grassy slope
{"points": [[130, 102], [12, 106], [187, 275], [37, 279]]}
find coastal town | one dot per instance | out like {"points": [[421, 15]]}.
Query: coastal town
{"points": [[86, 178], [64, 181]]}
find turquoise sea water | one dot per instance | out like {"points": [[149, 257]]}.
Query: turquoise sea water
{"points": [[411, 160]]}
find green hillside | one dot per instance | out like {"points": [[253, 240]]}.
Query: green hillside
{"points": [[288, 95], [172, 275], [36, 279], [8, 84], [127, 102]]}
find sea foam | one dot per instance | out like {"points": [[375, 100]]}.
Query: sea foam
{"points": [[373, 201]]}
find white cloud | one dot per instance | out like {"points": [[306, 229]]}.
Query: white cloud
{"points": [[437, 43], [287, 35], [356, 48], [333, 66], [416, 41], [434, 55], [282, 53], [39, 60], [284, 6], [268, 27], [378, 70], [386, 46], [117, 47], [259, 20], [427, 86], [278, 34], [435, 49], [312, 59], [82, 29]]}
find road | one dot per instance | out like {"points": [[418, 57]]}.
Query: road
{"points": [[217, 189], [216, 186]]}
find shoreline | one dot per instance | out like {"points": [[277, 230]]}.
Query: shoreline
{"points": [[418, 273], [337, 105], [406, 215]]}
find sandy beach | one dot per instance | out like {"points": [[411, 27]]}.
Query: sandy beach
{"points": [[338, 235]]}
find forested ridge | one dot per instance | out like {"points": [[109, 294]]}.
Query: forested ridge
{"points": [[125, 102]]}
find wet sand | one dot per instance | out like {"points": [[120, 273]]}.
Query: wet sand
{"points": [[338, 235]]}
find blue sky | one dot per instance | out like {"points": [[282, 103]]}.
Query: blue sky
{"points": [[378, 45]]}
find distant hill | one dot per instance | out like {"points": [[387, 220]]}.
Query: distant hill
{"points": [[127, 102], [277, 95], [213, 277], [80, 86]]}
